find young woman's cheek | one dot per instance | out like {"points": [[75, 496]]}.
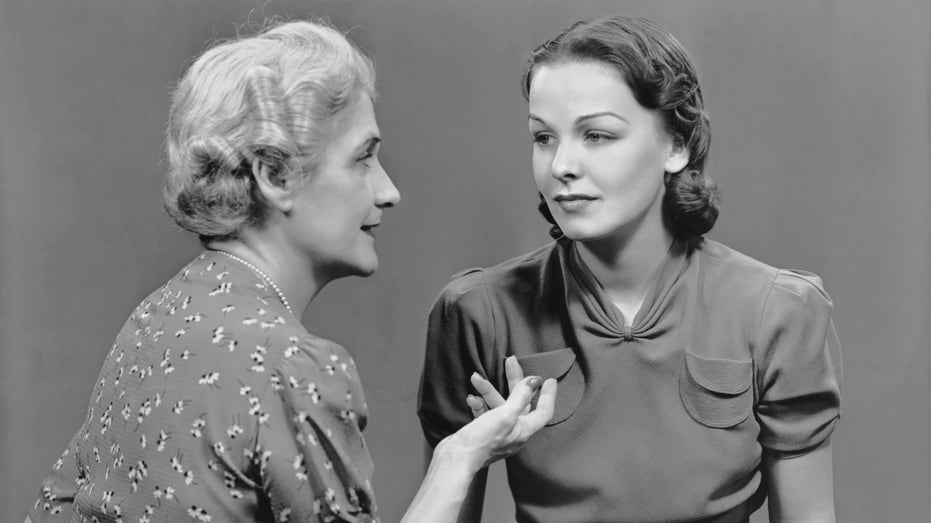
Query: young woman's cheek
{"points": [[541, 163]]}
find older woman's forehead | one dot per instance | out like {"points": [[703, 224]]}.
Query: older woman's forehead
{"points": [[355, 125]]}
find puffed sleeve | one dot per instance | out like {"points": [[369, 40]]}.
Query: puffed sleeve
{"points": [[460, 341], [799, 372], [61, 486], [312, 457]]}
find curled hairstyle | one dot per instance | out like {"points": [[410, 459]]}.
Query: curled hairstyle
{"points": [[663, 79], [271, 97]]}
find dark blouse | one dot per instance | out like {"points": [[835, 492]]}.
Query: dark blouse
{"points": [[216, 404], [664, 420]]}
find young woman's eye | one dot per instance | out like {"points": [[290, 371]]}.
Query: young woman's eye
{"points": [[595, 138], [541, 139]]}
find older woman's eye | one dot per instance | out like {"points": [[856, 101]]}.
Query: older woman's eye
{"points": [[368, 154]]}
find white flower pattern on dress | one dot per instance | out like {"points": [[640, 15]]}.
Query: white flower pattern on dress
{"points": [[177, 400]]}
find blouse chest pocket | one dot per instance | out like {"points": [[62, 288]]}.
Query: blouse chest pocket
{"points": [[561, 365], [716, 392]]}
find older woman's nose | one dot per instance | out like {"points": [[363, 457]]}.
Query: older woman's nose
{"points": [[386, 194]]}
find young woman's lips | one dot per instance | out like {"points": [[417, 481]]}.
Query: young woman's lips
{"points": [[573, 202]]}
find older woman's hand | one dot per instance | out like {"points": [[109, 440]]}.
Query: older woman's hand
{"points": [[503, 426], [490, 397], [499, 432]]}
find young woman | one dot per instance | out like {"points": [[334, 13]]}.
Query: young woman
{"points": [[215, 403], [695, 381]]}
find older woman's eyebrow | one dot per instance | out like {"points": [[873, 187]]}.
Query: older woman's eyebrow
{"points": [[370, 143]]}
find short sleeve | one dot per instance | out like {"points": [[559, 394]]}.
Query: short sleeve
{"points": [[799, 369], [311, 455], [61, 486], [460, 341]]}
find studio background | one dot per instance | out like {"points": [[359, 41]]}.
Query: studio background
{"points": [[820, 113]]}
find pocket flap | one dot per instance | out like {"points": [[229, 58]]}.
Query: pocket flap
{"points": [[719, 375], [559, 364], [551, 364]]}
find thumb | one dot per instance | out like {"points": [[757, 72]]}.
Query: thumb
{"points": [[523, 393]]}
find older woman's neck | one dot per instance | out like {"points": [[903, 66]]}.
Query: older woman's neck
{"points": [[286, 267]]}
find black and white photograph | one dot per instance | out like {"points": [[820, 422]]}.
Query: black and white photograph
{"points": [[440, 261]]}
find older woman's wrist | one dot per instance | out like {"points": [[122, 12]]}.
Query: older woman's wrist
{"points": [[445, 485], [452, 456]]}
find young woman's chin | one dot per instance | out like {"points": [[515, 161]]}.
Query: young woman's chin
{"points": [[583, 232]]}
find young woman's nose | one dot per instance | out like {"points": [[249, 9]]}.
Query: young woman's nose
{"points": [[565, 164]]}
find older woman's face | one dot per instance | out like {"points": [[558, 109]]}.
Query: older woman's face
{"points": [[339, 206]]}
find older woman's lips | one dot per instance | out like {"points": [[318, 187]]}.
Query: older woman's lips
{"points": [[573, 202]]}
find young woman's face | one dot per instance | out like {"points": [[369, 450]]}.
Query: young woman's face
{"points": [[599, 157], [337, 208]]}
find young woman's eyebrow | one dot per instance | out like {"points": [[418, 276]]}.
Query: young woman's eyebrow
{"points": [[599, 114], [584, 117]]}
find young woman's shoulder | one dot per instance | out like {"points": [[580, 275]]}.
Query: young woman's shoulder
{"points": [[522, 275], [727, 268], [717, 253]]}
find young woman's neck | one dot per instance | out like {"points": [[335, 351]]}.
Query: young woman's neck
{"points": [[624, 263], [289, 269]]}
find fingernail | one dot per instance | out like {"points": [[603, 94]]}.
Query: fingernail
{"points": [[534, 382]]}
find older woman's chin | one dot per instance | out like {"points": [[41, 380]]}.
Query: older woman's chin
{"points": [[368, 270], [366, 265]]}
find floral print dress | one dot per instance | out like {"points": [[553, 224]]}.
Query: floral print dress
{"points": [[216, 404]]}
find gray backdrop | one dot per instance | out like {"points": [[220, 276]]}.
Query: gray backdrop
{"points": [[820, 113]]}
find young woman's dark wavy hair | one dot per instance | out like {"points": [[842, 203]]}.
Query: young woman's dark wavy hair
{"points": [[662, 78]]}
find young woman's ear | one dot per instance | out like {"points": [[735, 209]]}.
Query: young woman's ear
{"points": [[678, 157], [277, 193]]}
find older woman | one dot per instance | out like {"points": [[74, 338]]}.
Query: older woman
{"points": [[215, 403]]}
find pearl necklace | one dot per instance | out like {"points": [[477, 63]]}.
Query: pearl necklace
{"points": [[265, 278]]}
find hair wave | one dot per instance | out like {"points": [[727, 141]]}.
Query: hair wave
{"points": [[271, 97], [662, 78]]}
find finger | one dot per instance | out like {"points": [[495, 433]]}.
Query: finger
{"points": [[546, 406], [513, 372], [522, 395], [477, 405], [489, 394]]}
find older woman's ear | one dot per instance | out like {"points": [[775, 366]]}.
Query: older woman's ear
{"points": [[277, 192]]}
